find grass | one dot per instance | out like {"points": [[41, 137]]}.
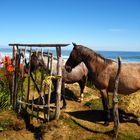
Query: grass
{"points": [[71, 123], [128, 136], [5, 124], [9, 121], [95, 104]]}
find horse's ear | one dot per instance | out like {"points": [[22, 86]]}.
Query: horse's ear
{"points": [[75, 46]]}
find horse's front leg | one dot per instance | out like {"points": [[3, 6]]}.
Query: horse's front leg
{"points": [[105, 101], [82, 86]]}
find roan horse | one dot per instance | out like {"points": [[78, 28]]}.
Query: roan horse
{"points": [[78, 74], [104, 72]]}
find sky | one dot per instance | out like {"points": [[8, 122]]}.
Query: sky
{"points": [[97, 24]]}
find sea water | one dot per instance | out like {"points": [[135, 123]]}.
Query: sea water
{"points": [[126, 56]]}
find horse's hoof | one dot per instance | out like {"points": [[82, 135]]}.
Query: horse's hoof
{"points": [[106, 123], [80, 100]]}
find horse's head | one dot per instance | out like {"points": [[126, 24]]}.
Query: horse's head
{"points": [[74, 58], [36, 61]]}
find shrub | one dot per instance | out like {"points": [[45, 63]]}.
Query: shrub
{"points": [[6, 72]]}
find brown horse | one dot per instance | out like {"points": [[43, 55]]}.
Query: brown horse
{"points": [[104, 72]]}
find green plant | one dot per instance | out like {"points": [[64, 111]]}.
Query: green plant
{"points": [[6, 72], [4, 95], [95, 104]]}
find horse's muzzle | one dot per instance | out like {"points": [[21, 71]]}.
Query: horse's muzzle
{"points": [[68, 68]]}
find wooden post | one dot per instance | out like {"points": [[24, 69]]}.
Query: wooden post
{"points": [[50, 86], [48, 63], [35, 66], [11, 95], [59, 82], [115, 101], [42, 75], [29, 75], [17, 71], [14, 78], [22, 78]]}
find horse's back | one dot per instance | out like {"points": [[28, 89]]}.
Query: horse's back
{"points": [[76, 74], [129, 80]]}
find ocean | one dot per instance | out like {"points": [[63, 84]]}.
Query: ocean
{"points": [[126, 56]]}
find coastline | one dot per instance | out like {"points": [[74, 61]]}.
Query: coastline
{"points": [[126, 56]]}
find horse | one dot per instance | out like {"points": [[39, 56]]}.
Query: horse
{"points": [[78, 74], [103, 72]]}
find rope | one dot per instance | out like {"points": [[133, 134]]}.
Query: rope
{"points": [[48, 79]]}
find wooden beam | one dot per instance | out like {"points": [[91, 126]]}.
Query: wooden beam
{"points": [[35, 105], [39, 45]]}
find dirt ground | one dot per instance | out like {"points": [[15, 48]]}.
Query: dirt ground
{"points": [[77, 122]]}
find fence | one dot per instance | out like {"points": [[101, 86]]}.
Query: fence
{"points": [[21, 95]]}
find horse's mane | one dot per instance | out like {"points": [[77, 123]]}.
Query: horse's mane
{"points": [[92, 54]]}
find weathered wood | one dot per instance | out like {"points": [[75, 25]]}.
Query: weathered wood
{"points": [[42, 75], [115, 101], [29, 75], [22, 79], [39, 92], [11, 95], [35, 105], [39, 45], [37, 52], [59, 82], [41, 87], [50, 86], [15, 77], [48, 63], [35, 84]]}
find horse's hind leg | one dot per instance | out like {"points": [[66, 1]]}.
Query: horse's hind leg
{"points": [[105, 101], [82, 86]]}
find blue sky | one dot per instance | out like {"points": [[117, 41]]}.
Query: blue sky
{"points": [[98, 24]]}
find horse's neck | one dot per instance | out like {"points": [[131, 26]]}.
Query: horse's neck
{"points": [[94, 62]]}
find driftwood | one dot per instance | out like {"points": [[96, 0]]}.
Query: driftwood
{"points": [[22, 79], [50, 86], [29, 75], [35, 105], [14, 77], [115, 101], [59, 82], [39, 45]]}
